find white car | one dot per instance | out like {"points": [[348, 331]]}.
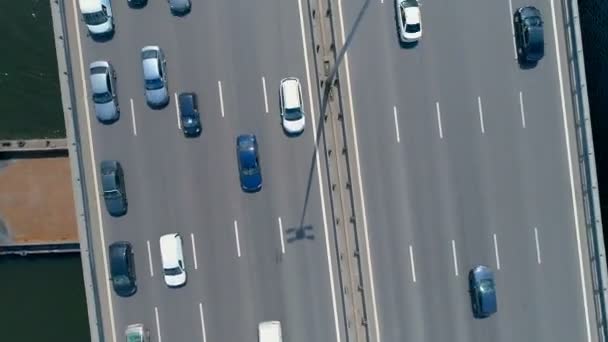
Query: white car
{"points": [[292, 112], [270, 331], [409, 20], [172, 257], [97, 14]]}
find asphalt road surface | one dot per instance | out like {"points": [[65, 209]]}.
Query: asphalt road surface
{"points": [[249, 257], [466, 159]]}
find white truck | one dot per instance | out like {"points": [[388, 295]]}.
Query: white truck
{"points": [[270, 331]]}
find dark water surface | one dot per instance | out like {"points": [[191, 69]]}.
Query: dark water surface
{"points": [[42, 299], [30, 103]]}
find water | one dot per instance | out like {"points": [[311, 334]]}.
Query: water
{"points": [[42, 299], [30, 102]]}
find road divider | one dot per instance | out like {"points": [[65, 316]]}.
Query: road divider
{"points": [[521, 109], [537, 245], [133, 118], [219, 87], [159, 337], [455, 257], [194, 251], [281, 236], [150, 259], [496, 252], [412, 264], [236, 236], [265, 94], [396, 122], [203, 331], [179, 123], [479, 106], [512, 28], [439, 119]]}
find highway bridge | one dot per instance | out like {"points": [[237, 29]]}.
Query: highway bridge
{"points": [[456, 157]]}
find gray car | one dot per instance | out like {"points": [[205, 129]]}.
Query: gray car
{"points": [[103, 89], [155, 78], [113, 186], [179, 7]]}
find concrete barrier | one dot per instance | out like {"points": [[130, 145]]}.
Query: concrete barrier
{"points": [[40, 248], [33, 145]]}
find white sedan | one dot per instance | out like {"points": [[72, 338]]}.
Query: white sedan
{"points": [[409, 21], [172, 257]]}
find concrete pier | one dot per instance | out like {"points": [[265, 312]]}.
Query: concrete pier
{"points": [[33, 145]]}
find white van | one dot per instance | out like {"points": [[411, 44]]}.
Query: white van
{"points": [[270, 331], [97, 15], [172, 257]]}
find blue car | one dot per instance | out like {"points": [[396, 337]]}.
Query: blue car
{"points": [[249, 164], [483, 291]]}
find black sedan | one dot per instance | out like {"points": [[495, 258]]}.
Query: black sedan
{"points": [[482, 291], [113, 184], [122, 268], [529, 34], [189, 115]]}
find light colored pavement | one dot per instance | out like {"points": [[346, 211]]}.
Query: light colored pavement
{"points": [[480, 172], [221, 50]]}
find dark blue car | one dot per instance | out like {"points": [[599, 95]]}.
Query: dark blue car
{"points": [[483, 291], [113, 184], [249, 164]]}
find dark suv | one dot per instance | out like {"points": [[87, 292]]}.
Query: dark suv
{"points": [[529, 35], [113, 184], [189, 116], [482, 291], [122, 268]]}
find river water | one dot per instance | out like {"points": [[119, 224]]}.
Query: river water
{"points": [[42, 297]]}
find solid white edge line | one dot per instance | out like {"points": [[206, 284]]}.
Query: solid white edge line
{"points": [[521, 109], [537, 245], [265, 94], [236, 235], [150, 259], [496, 252], [91, 150], [179, 123], [396, 122], [194, 251], [203, 331], [455, 257], [158, 335], [479, 106], [571, 174], [281, 235], [512, 28], [133, 118], [219, 87], [359, 178], [320, 179], [439, 119], [412, 264]]}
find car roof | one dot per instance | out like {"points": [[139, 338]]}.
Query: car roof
{"points": [[150, 56], [270, 331], [169, 246], [108, 171], [118, 257], [291, 92], [99, 74], [89, 6], [187, 103], [413, 15]]}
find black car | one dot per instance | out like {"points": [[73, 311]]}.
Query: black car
{"points": [[113, 184], [122, 268], [529, 35], [189, 115], [248, 162], [482, 291]]}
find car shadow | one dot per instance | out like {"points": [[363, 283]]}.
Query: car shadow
{"points": [[527, 65], [102, 38]]}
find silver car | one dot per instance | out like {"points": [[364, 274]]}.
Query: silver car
{"points": [[179, 7], [155, 78], [103, 87]]}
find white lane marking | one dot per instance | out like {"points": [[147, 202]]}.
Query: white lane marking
{"points": [[265, 94], [439, 119], [512, 27], [179, 123], [236, 235], [92, 152], [133, 118], [483, 129], [537, 245], [412, 264], [203, 331], [158, 335], [281, 235], [455, 257], [496, 252], [150, 259], [359, 179], [219, 87], [194, 251], [571, 174], [521, 109], [396, 122], [319, 178]]}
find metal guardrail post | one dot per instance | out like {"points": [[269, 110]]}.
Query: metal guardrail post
{"points": [[591, 199], [78, 176]]}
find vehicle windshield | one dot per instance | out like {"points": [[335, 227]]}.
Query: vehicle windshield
{"points": [[135, 337], [533, 21], [154, 84], [250, 171], [486, 286], [412, 28], [293, 114], [173, 271], [111, 194], [102, 97], [189, 121], [96, 18]]}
